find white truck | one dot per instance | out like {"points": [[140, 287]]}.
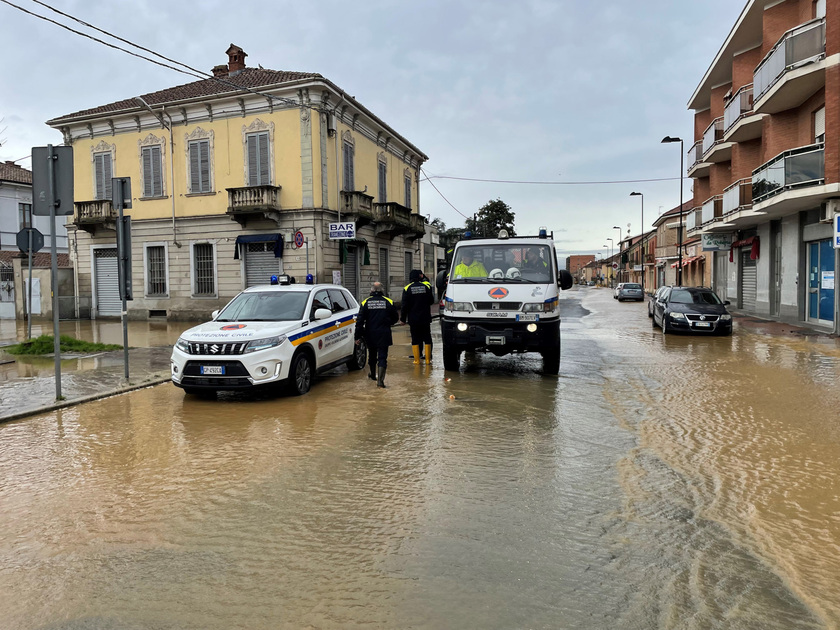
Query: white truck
{"points": [[502, 297]]}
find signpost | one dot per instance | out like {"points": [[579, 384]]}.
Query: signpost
{"points": [[52, 193], [121, 192], [836, 231], [29, 241]]}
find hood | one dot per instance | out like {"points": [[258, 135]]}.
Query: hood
{"points": [[238, 331], [703, 309], [501, 292]]}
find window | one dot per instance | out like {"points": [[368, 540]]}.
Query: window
{"points": [[152, 171], [156, 271], [102, 174], [407, 191], [204, 281], [819, 125], [339, 302], [322, 300], [383, 184], [348, 167], [200, 166], [259, 171], [25, 213]]}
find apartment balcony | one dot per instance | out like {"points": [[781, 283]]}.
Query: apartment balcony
{"points": [[714, 148], [693, 220], [696, 166], [253, 202], [358, 205], [393, 219], [95, 215], [740, 122], [791, 182], [793, 71], [711, 211]]}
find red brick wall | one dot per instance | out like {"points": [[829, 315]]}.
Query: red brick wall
{"points": [[702, 186], [702, 120], [719, 178], [780, 19], [743, 66], [576, 263], [832, 27], [832, 122], [717, 102], [746, 157]]}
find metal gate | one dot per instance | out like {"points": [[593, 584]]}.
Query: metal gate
{"points": [[260, 263], [108, 302], [7, 291], [720, 279], [351, 276], [748, 281]]}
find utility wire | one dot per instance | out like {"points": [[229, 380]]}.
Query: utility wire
{"points": [[547, 183], [441, 194]]}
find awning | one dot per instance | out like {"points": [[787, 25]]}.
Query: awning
{"points": [[751, 242], [689, 260], [359, 242], [277, 239]]}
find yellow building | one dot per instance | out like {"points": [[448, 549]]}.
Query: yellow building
{"points": [[224, 172]]}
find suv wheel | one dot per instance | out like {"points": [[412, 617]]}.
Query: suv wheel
{"points": [[358, 360], [300, 374]]}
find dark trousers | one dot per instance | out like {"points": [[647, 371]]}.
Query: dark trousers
{"points": [[421, 333], [378, 354]]}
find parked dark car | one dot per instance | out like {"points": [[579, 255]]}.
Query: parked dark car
{"points": [[630, 291], [655, 297], [691, 309]]}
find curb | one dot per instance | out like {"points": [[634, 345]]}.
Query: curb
{"points": [[154, 380]]}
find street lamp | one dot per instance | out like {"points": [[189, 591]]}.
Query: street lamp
{"points": [[612, 262], [602, 256], [667, 140], [642, 242], [618, 247]]}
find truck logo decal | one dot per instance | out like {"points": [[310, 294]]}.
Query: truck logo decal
{"points": [[498, 293]]}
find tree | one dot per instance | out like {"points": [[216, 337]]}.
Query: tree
{"points": [[492, 217]]}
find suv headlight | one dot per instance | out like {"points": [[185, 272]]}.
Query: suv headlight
{"points": [[183, 345], [458, 306], [726, 317], [264, 344], [536, 307], [673, 315]]}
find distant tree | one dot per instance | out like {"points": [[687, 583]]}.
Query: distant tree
{"points": [[492, 217]]}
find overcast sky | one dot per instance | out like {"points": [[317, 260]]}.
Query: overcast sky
{"points": [[526, 90]]}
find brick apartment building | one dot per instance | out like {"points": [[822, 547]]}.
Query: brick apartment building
{"points": [[575, 265], [766, 161]]}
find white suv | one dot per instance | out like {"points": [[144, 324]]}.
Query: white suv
{"points": [[268, 335]]}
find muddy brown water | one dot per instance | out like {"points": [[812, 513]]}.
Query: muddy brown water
{"points": [[658, 482]]}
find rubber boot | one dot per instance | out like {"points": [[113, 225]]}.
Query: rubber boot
{"points": [[381, 381], [428, 354], [372, 375], [416, 351]]}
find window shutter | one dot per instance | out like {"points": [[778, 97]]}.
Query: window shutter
{"points": [[107, 174], [99, 175], [383, 189], [352, 174], [407, 192], [157, 172], [819, 124], [347, 168], [253, 161], [265, 170], [205, 166], [194, 168], [147, 172]]}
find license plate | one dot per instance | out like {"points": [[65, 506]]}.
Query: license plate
{"points": [[531, 317], [703, 324], [212, 369]]}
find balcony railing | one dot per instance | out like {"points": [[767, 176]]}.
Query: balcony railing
{"points": [[97, 211], [712, 209], [804, 166], [712, 135], [738, 196], [253, 199], [798, 46], [695, 154], [690, 219], [356, 202], [740, 104]]}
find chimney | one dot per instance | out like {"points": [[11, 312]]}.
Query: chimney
{"points": [[220, 71], [236, 59]]}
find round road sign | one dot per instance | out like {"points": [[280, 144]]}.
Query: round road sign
{"points": [[299, 240], [23, 239]]}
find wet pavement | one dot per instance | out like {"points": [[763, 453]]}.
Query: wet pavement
{"points": [[657, 482]]}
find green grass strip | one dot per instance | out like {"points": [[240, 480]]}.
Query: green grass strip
{"points": [[45, 344]]}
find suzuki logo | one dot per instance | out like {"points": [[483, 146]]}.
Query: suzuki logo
{"points": [[214, 349]]}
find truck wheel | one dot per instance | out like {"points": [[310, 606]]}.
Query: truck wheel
{"points": [[451, 359], [300, 374], [551, 361], [359, 358]]}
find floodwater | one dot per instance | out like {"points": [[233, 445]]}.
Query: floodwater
{"points": [[658, 482]]}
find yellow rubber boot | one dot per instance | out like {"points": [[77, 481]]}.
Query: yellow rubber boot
{"points": [[416, 351], [428, 354]]}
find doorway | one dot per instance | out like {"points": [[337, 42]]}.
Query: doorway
{"points": [[821, 282]]}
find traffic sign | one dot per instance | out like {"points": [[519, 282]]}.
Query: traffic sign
{"points": [[60, 161], [837, 231], [27, 236], [299, 239]]}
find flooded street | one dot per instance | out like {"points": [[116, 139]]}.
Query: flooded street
{"points": [[658, 482]]}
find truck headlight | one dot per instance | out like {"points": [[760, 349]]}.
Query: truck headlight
{"points": [[458, 306], [183, 345], [536, 307], [264, 344]]}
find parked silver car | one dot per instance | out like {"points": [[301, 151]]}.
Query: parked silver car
{"points": [[630, 291]]}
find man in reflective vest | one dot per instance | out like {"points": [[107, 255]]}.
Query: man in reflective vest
{"points": [[376, 316], [469, 267], [417, 300]]}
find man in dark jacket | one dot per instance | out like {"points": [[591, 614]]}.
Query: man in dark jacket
{"points": [[417, 300], [376, 316]]}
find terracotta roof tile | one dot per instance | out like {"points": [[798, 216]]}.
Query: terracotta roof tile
{"points": [[249, 78], [11, 172]]}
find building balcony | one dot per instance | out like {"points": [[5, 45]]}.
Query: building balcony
{"points": [[359, 205], [696, 166], [714, 148], [393, 219], [793, 71], [798, 168], [740, 122], [711, 211], [693, 220], [248, 201], [93, 215]]}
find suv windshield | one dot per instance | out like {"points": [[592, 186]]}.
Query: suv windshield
{"points": [[502, 262], [270, 306], [686, 296]]}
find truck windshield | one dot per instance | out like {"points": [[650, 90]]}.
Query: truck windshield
{"points": [[268, 306], [502, 262]]}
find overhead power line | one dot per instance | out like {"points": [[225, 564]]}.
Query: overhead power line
{"points": [[548, 183], [428, 179]]}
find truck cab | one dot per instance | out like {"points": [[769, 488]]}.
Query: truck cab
{"points": [[502, 297]]}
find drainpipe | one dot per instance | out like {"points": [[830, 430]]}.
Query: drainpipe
{"points": [[171, 160], [337, 167]]}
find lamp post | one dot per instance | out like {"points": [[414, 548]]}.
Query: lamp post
{"points": [[618, 248], [667, 140], [642, 241], [612, 262], [602, 255]]}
